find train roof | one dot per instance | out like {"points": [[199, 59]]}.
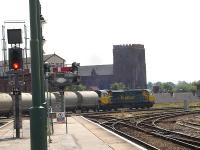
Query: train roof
{"points": [[113, 91], [102, 91], [130, 90], [140, 90]]}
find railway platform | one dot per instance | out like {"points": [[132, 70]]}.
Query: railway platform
{"points": [[81, 135]]}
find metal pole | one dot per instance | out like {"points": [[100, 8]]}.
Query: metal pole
{"points": [[4, 49], [41, 52], [63, 106], [37, 111], [47, 92], [50, 105], [17, 110], [52, 129], [25, 47], [65, 111], [42, 68], [66, 124], [62, 100]]}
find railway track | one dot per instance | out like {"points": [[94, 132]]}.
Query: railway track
{"points": [[188, 124], [112, 122], [147, 126], [4, 120], [127, 110]]}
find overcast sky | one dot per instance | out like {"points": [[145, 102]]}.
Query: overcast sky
{"points": [[85, 31]]}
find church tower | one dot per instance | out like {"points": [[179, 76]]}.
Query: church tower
{"points": [[129, 65]]}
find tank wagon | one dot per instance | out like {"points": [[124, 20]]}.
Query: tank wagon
{"points": [[26, 102], [70, 98], [80, 100], [5, 104], [87, 100]]}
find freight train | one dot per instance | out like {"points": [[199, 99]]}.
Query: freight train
{"points": [[85, 100]]}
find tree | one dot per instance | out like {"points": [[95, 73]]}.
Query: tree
{"points": [[117, 86], [196, 83], [158, 83], [183, 86], [150, 85], [167, 87], [79, 87]]}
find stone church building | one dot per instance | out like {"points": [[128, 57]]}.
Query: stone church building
{"points": [[128, 67]]}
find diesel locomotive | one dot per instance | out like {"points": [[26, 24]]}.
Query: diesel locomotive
{"points": [[139, 98]]}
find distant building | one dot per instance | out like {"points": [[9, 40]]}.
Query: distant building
{"points": [[128, 67], [97, 76]]}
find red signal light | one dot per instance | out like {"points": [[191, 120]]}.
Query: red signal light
{"points": [[15, 66], [15, 58]]}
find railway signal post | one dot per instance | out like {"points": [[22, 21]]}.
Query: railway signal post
{"points": [[15, 68], [48, 101], [67, 76]]}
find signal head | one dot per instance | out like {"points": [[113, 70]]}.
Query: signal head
{"points": [[15, 66], [15, 58]]}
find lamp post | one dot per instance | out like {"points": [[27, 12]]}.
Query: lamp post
{"points": [[41, 21], [37, 111]]}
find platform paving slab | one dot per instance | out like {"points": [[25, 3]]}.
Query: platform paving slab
{"points": [[114, 141], [81, 135]]}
